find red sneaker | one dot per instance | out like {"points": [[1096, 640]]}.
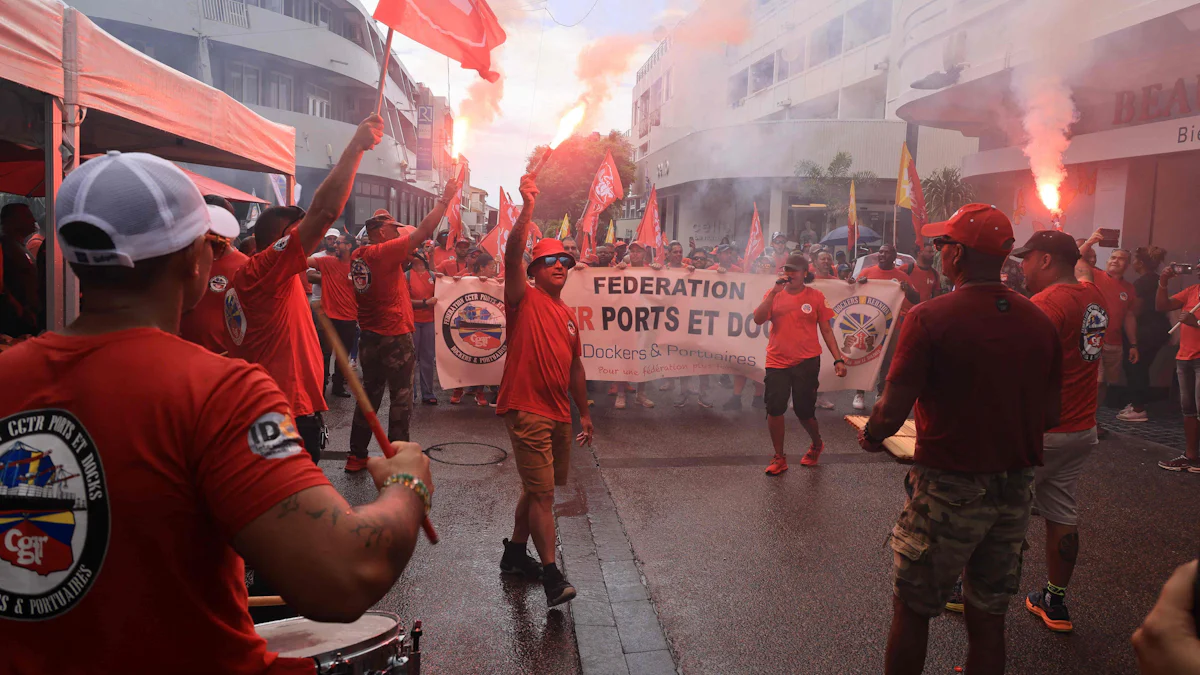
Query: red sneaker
{"points": [[481, 397], [814, 453], [456, 396], [778, 465], [355, 464]]}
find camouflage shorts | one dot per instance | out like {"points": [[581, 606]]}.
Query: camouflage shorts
{"points": [[953, 523]]}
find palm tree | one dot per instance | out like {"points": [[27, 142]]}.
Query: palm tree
{"points": [[830, 185], [945, 192]]}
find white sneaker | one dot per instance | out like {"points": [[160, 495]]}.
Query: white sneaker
{"points": [[859, 403], [824, 403], [1132, 415], [1128, 407]]}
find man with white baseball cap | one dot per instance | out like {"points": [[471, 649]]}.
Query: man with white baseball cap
{"points": [[204, 324], [171, 464]]}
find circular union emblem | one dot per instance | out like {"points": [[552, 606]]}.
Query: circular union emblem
{"points": [[360, 275], [863, 323], [218, 284], [473, 328], [1091, 334], [806, 308], [282, 243], [571, 327], [235, 317], [54, 519], [1124, 296]]}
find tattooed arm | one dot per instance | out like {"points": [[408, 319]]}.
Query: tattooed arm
{"points": [[331, 561]]}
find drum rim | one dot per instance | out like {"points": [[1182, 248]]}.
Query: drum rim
{"points": [[379, 640]]}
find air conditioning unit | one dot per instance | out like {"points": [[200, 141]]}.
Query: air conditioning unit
{"points": [[785, 103]]}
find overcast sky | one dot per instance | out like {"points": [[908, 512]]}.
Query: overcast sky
{"points": [[538, 61]]}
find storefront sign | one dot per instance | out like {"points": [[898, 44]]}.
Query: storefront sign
{"points": [[1156, 101], [643, 325]]}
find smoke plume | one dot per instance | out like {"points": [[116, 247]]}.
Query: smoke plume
{"points": [[482, 104], [601, 65]]}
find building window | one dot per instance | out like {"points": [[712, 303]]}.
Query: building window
{"points": [[826, 43], [280, 91], [762, 74], [739, 88], [318, 102], [242, 82], [667, 86], [868, 21]]}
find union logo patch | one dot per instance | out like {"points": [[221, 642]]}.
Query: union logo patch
{"points": [[235, 317], [360, 275], [218, 284], [863, 322], [1091, 334], [474, 329]]}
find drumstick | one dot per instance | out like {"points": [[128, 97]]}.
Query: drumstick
{"points": [[265, 601], [364, 404]]}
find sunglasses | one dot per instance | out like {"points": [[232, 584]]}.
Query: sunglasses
{"points": [[550, 260]]}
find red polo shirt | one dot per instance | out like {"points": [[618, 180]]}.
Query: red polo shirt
{"points": [[1077, 312], [795, 330], [205, 323], [543, 340], [337, 292], [377, 271]]}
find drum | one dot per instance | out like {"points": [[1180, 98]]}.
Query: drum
{"points": [[372, 645]]}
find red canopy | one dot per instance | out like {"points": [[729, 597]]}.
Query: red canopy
{"points": [[27, 178], [209, 186]]}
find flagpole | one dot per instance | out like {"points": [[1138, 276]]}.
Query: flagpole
{"points": [[895, 219], [387, 51]]}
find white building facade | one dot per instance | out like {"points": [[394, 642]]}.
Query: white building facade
{"points": [[310, 64], [721, 129]]}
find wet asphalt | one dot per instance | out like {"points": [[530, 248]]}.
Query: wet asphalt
{"points": [[754, 574]]}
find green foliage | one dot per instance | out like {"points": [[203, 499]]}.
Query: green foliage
{"points": [[830, 185], [565, 180], [945, 192]]}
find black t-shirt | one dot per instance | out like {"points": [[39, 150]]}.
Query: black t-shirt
{"points": [[1152, 324]]}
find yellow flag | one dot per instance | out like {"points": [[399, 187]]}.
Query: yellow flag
{"points": [[565, 230], [612, 233], [904, 189]]}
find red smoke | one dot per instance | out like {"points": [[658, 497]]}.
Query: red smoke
{"points": [[482, 103], [601, 65]]}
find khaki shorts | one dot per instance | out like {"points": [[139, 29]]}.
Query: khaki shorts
{"points": [[1110, 364], [966, 523], [542, 449], [1056, 481]]}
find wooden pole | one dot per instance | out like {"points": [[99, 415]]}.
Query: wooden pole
{"points": [[387, 56], [265, 601], [364, 404]]}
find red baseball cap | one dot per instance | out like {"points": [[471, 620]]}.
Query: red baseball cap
{"points": [[977, 226], [548, 246]]}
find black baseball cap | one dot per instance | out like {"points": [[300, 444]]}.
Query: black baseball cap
{"points": [[1054, 242], [796, 262]]}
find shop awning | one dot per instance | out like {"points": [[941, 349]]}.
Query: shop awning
{"points": [[208, 186], [31, 39]]}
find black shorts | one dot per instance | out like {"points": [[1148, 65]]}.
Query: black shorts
{"points": [[799, 382]]}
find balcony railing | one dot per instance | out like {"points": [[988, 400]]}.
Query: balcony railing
{"points": [[232, 12]]}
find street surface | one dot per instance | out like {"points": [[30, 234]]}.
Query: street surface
{"points": [[747, 573]]}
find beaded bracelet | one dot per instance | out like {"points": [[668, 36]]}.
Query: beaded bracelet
{"points": [[411, 482]]}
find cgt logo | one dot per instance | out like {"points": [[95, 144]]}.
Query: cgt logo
{"points": [[274, 436], [473, 328], [29, 549]]}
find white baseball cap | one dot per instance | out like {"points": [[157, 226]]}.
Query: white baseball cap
{"points": [[145, 204], [332, 232]]}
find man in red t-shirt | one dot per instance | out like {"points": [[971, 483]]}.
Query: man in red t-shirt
{"points": [[440, 254], [923, 277], [886, 270], [542, 372], [1077, 312], [421, 281], [797, 314], [386, 350], [339, 303], [459, 265], [984, 367], [266, 310], [1120, 300], [204, 324], [1187, 366], [725, 260], [141, 496], [779, 250]]}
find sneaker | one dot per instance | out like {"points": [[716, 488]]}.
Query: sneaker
{"points": [[612, 389], [481, 398], [1127, 407], [620, 404], [759, 403], [814, 453], [432, 400], [516, 560], [778, 465], [955, 603], [591, 403], [1181, 463], [734, 403], [1132, 415], [355, 464], [859, 401], [558, 589], [1052, 610], [643, 401], [824, 403], [682, 400], [456, 397], [702, 399]]}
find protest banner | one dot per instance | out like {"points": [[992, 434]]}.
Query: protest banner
{"points": [[639, 325]]}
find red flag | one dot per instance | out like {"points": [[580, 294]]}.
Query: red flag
{"points": [[606, 189], [649, 232], [465, 30], [497, 240], [454, 214], [756, 245]]}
